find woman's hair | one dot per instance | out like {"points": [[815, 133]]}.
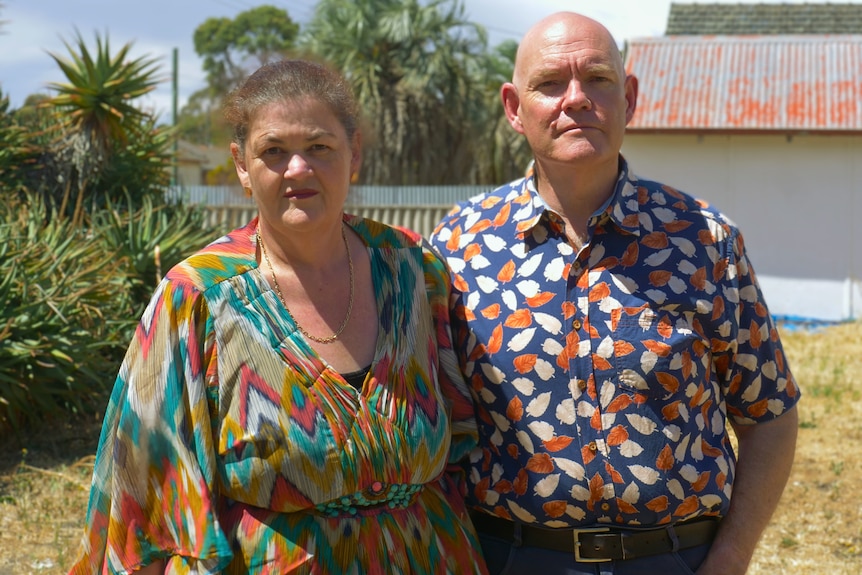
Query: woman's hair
{"points": [[288, 80]]}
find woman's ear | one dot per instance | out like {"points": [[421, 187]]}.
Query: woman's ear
{"points": [[355, 157], [239, 164]]}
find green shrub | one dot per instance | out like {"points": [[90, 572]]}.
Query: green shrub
{"points": [[151, 240], [71, 296], [56, 284]]}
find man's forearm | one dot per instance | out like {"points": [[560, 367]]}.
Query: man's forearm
{"points": [[766, 454]]}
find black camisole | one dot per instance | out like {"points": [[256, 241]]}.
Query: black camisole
{"points": [[355, 378]]}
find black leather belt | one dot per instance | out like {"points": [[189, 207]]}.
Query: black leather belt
{"points": [[598, 544]]}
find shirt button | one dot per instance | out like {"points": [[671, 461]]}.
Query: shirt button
{"points": [[576, 324], [582, 384], [593, 447], [605, 506], [576, 268]]}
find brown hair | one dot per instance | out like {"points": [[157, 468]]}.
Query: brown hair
{"points": [[290, 80]]}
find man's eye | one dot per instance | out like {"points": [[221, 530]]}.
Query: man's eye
{"points": [[272, 151]]}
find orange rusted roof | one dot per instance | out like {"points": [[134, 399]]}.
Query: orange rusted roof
{"points": [[748, 83]]}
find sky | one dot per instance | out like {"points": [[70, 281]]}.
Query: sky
{"points": [[30, 29]]}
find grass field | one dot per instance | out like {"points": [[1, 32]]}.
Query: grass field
{"points": [[44, 479]]}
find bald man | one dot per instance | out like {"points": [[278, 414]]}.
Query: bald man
{"points": [[613, 333]]}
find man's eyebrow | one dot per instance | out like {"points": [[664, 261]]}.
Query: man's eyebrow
{"points": [[601, 68], [541, 74]]}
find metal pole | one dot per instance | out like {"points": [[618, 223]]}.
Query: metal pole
{"points": [[175, 176]]}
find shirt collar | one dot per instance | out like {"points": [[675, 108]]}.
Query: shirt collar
{"points": [[622, 207]]}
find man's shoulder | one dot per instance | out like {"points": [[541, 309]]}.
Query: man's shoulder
{"points": [[666, 199], [487, 204]]}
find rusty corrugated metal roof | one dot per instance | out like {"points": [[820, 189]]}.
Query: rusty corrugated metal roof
{"points": [[745, 83]]}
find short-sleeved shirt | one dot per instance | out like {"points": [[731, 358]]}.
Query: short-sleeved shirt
{"points": [[232, 447], [603, 378]]}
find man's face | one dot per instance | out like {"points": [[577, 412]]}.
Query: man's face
{"points": [[570, 96]]}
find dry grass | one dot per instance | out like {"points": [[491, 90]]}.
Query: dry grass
{"points": [[817, 529], [818, 526]]}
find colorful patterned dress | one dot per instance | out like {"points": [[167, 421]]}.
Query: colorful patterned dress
{"points": [[230, 446]]}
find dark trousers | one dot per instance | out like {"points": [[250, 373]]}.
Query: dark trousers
{"points": [[503, 558]]}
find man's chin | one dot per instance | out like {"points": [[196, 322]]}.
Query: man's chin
{"points": [[580, 155]]}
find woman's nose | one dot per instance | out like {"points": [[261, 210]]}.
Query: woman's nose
{"points": [[297, 167]]}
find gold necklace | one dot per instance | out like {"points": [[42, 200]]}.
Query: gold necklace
{"points": [[340, 329]]}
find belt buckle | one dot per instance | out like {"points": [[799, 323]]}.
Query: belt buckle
{"points": [[576, 533]]}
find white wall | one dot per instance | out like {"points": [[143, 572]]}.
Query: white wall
{"points": [[798, 201]]}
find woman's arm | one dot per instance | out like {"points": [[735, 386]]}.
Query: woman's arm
{"points": [[157, 568]]}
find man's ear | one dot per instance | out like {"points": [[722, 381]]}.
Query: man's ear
{"points": [[631, 88], [512, 105]]}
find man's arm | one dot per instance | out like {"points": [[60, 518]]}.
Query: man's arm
{"points": [[766, 452]]}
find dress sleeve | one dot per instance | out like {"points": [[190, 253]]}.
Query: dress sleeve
{"points": [[153, 494], [452, 383], [750, 362]]}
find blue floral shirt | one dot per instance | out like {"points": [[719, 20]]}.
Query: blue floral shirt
{"points": [[604, 379]]}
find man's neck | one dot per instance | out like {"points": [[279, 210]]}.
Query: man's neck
{"points": [[575, 192]]}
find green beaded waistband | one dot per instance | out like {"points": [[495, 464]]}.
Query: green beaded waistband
{"points": [[377, 495]]}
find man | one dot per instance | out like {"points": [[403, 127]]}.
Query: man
{"points": [[612, 330]]}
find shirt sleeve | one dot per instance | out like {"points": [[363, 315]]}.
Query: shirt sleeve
{"points": [[750, 362], [154, 487], [452, 383]]}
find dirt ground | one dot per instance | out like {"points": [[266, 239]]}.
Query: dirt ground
{"points": [[44, 477]]}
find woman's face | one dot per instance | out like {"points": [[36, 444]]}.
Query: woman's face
{"points": [[298, 163]]}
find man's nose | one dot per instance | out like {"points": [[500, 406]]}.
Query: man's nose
{"points": [[575, 96]]}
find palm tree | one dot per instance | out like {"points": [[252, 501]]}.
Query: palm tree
{"points": [[417, 70], [503, 154], [96, 114]]}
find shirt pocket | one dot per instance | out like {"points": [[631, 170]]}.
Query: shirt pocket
{"points": [[658, 353]]}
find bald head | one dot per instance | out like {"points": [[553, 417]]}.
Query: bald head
{"points": [[571, 99], [560, 32]]}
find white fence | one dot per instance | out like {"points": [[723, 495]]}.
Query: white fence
{"points": [[421, 219], [359, 195], [415, 207]]}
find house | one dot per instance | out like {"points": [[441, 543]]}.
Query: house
{"points": [[197, 163], [757, 109]]}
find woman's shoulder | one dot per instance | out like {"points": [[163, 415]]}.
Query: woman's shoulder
{"points": [[379, 234], [226, 257]]}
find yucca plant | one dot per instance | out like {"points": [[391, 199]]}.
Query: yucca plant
{"points": [[58, 294]]}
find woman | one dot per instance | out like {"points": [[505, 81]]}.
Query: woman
{"points": [[290, 402]]}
